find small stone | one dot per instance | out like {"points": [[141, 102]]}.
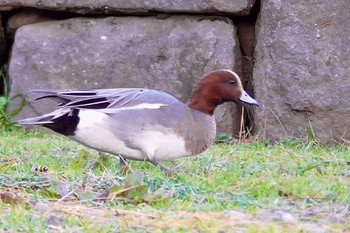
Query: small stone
{"points": [[285, 217], [236, 214]]}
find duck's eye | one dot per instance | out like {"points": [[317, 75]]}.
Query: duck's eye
{"points": [[231, 81]]}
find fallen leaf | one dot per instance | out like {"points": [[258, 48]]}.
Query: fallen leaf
{"points": [[102, 195], [55, 220], [63, 189], [134, 179], [134, 189], [129, 192], [249, 140], [11, 198], [281, 193]]}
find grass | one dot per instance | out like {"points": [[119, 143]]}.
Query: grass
{"points": [[6, 115], [292, 186]]}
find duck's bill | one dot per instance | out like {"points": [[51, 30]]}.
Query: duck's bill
{"points": [[247, 99]]}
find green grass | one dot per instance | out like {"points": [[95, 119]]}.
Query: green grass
{"points": [[7, 101], [231, 187]]}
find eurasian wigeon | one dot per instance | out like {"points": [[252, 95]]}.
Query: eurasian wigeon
{"points": [[142, 124]]}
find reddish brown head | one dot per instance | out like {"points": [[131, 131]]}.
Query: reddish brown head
{"points": [[218, 87]]}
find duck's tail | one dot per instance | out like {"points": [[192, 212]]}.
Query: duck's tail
{"points": [[63, 121], [45, 119]]}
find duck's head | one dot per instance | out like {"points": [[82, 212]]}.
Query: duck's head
{"points": [[218, 87]]}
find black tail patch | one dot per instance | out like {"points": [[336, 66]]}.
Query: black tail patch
{"points": [[65, 124]]}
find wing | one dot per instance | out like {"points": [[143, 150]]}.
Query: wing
{"points": [[95, 99], [104, 98]]}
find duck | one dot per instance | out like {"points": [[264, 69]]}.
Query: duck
{"points": [[142, 124]]}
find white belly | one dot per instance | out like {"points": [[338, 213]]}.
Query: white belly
{"points": [[93, 131], [161, 145]]}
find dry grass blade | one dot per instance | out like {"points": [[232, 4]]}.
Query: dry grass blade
{"points": [[281, 124], [29, 184], [63, 190], [241, 126], [345, 140]]}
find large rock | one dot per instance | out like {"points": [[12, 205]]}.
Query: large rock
{"points": [[302, 68], [241, 7], [81, 53]]}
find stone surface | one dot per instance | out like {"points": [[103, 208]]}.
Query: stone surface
{"points": [[81, 53], [240, 7], [23, 18], [301, 74]]}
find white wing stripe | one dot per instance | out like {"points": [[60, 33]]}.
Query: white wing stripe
{"points": [[135, 107]]}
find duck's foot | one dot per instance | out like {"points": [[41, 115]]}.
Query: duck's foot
{"points": [[124, 167], [102, 156], [166, 169]]}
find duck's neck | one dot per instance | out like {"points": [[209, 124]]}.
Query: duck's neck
{"points": [[204, 101]]}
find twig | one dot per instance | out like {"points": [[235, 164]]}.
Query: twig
{"points": [[45, 183], [345, 211], [65, 196], [125, 163], [241, 126], [130, 212], [344, 140]]}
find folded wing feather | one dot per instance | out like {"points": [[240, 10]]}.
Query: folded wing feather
{"points": [[93, 99]]}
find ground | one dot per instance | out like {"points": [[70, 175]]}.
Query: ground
{"points": [[292, 186]]}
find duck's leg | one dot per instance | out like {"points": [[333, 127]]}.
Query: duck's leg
{"points": [[124, 167], [102, 155], [164, 168]]}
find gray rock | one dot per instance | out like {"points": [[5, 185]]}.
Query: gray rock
{"points": [[301, 74], [240, 7], [81, 53], [28, 16]]}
